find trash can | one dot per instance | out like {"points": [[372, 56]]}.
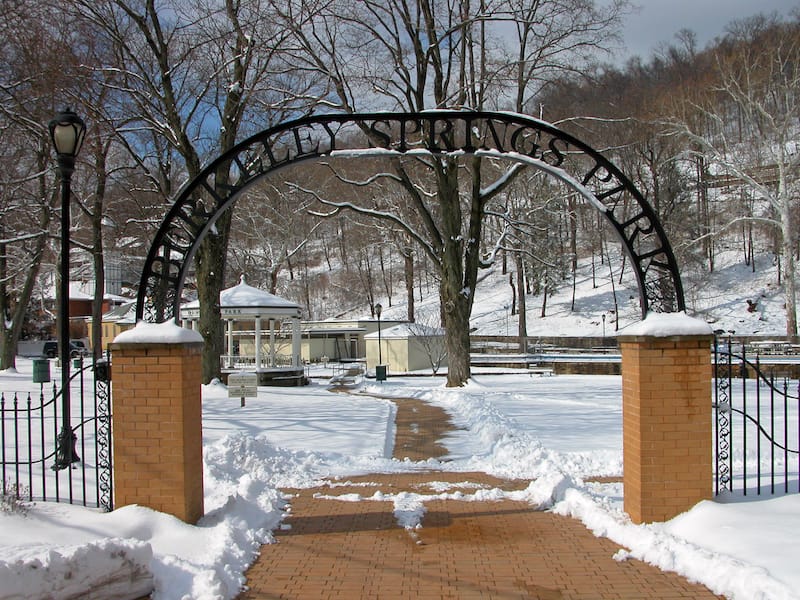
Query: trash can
{"points": [[380, 372], [41, 370], [102, 370]]}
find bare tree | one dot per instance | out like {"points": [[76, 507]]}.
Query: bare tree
{"points": [[271, 228], [35, 64], [750, 130], [433, 54], [430, 338], [194, 77]]}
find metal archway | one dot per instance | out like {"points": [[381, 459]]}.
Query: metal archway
{"points": [[513, 136]]}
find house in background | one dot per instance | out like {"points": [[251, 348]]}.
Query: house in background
{"points": [[81, 296], [118, 319], [338, 340]]}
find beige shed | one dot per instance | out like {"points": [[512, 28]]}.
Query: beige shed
{"points": [[406, 347]]}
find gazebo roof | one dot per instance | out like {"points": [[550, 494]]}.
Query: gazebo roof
{"points": [[246, 300]]}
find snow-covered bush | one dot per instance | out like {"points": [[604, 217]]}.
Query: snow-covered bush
{"points": [[11, 499]]}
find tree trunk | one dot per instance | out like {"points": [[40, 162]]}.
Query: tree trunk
{"points": [[273, 278], [210, 268], [99, 286], [544, 302], [457, 285], [408, 273], [307, 289], [342, 239], [456, 325], [12, 323], [573, 243], [513, 295], [613, 290], [789, 285], [523, 313], [8, 358], [97, 254], [386, 277]]}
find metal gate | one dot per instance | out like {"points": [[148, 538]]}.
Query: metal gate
{"points": [[757, 424], [29, 423]]}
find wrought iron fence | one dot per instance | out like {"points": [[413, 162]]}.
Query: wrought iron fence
{"points": [[757, 425], [29, 423]]}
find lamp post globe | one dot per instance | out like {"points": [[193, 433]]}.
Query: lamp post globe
{"points": [[67, 131]]}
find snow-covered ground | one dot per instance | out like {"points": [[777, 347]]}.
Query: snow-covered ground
{"points": [[554, 431]]}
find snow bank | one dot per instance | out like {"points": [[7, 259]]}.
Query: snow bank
{"points": [[159, 552], [158, 333], [110, 568], [655, 544], [668, 324]]}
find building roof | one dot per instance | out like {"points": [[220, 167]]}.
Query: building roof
{"points": [[407, 330], [77, 291], [122, 313]]}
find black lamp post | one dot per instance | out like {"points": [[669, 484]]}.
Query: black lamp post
{"points": [[378, 310], [67, 131]]}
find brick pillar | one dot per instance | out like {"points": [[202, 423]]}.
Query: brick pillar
{"points": [[666, 407], [158, 453]]}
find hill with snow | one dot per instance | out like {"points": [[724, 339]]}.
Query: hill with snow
{"points": [[720, 298]]}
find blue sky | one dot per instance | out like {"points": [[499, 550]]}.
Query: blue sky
{"points": [[657, 21]]}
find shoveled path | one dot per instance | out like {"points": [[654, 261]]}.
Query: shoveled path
{"points": [[333, 548]]}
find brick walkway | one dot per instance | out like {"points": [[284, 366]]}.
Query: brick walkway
{"points": [[339, 549]]}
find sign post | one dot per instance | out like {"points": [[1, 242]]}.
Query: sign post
{"points": [[242, 385]]}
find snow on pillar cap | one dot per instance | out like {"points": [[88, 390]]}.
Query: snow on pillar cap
{"points": [[158, 333], [668, 325]]}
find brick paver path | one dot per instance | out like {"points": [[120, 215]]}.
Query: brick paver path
{"points": [[333, 548]]}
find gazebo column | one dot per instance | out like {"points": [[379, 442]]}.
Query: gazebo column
{"points": [[229, 331], [258, 341], [272, 343], [295, 342]]}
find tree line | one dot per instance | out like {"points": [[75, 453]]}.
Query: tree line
{"points": [[707, 135]]}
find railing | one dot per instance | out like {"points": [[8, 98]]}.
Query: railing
{"points": [[239, 361], [29, 424], [757, 426]]}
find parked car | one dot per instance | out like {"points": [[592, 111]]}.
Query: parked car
{"points": [[76, 348], [79, 346]]}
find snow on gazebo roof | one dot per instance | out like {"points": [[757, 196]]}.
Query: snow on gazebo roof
{"points": [[246, 300]]}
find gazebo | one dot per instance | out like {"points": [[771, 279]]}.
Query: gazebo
{"points": [[250, 315]]}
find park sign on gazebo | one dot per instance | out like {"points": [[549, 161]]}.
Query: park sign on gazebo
{"points": [[250, 315]]}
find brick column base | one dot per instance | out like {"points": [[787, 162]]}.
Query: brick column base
{"points": [[157, 430], [666, 407]]}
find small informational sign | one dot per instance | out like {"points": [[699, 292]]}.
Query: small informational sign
{"points": [[242, 385]]}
